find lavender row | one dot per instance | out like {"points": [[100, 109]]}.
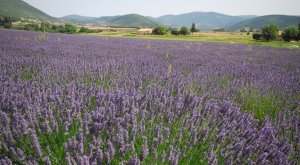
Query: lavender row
{"points": [[223, 67], [93, 126]]}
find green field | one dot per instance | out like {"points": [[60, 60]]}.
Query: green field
{"points": [[225, 37]]}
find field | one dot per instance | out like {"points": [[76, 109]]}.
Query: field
{"points": [[204, 36], [74, 99]]}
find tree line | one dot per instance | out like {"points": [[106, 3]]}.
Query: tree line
{"points": [[69, 28], [162, 30], [271, 32]]}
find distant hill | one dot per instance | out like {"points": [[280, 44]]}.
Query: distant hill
{"points": [[203, 20], [128, 20], [105, 19], [18, 8], [281, 21], [133, 20], [78, 18]]}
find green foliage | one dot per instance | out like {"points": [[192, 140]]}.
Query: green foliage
{"points": [[45, 26], [184, 31], [32, 27], [290, 33], [298, 36], [270, 32], [70, 28], [193, 28], [7, 23], [61, 28], [55, 142], [175, 31], [54, 28], [87, 30], [1, 21], [83, 30], [256, 36], [57, 28], [258, 104], [160, 30]]}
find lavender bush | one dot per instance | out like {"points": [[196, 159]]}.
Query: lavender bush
{"points": [[95, 100]]}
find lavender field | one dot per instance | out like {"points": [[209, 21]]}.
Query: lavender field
{"points": [[67, 99]]}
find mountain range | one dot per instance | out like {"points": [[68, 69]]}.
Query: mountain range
{"points": [[203, 20], [281, 21]]}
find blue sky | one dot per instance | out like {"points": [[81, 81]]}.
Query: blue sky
{"points": [[155, 8]]}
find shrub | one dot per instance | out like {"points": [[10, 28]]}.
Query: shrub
{"points": [[290, 33], [87, 30], [83, 30], [256, 36]]}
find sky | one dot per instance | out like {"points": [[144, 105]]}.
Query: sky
{"points": [[155, 8]]}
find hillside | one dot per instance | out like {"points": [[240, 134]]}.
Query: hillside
{"points": [[105, 19], [132, 20], [281, 21], [18, 8], [203, 20], [78, 18]]}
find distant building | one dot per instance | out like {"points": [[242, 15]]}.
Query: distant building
{"points": [[144, 31]]}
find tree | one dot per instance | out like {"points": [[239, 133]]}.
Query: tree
{"points": [[61, 28], [270, 32], [193, 28], [160, 30], [290, 33], [175, 31], [256, 36], [7, 23], [299, 26], [45, 26], [1, 21], [184, 31], [70, 28]]}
